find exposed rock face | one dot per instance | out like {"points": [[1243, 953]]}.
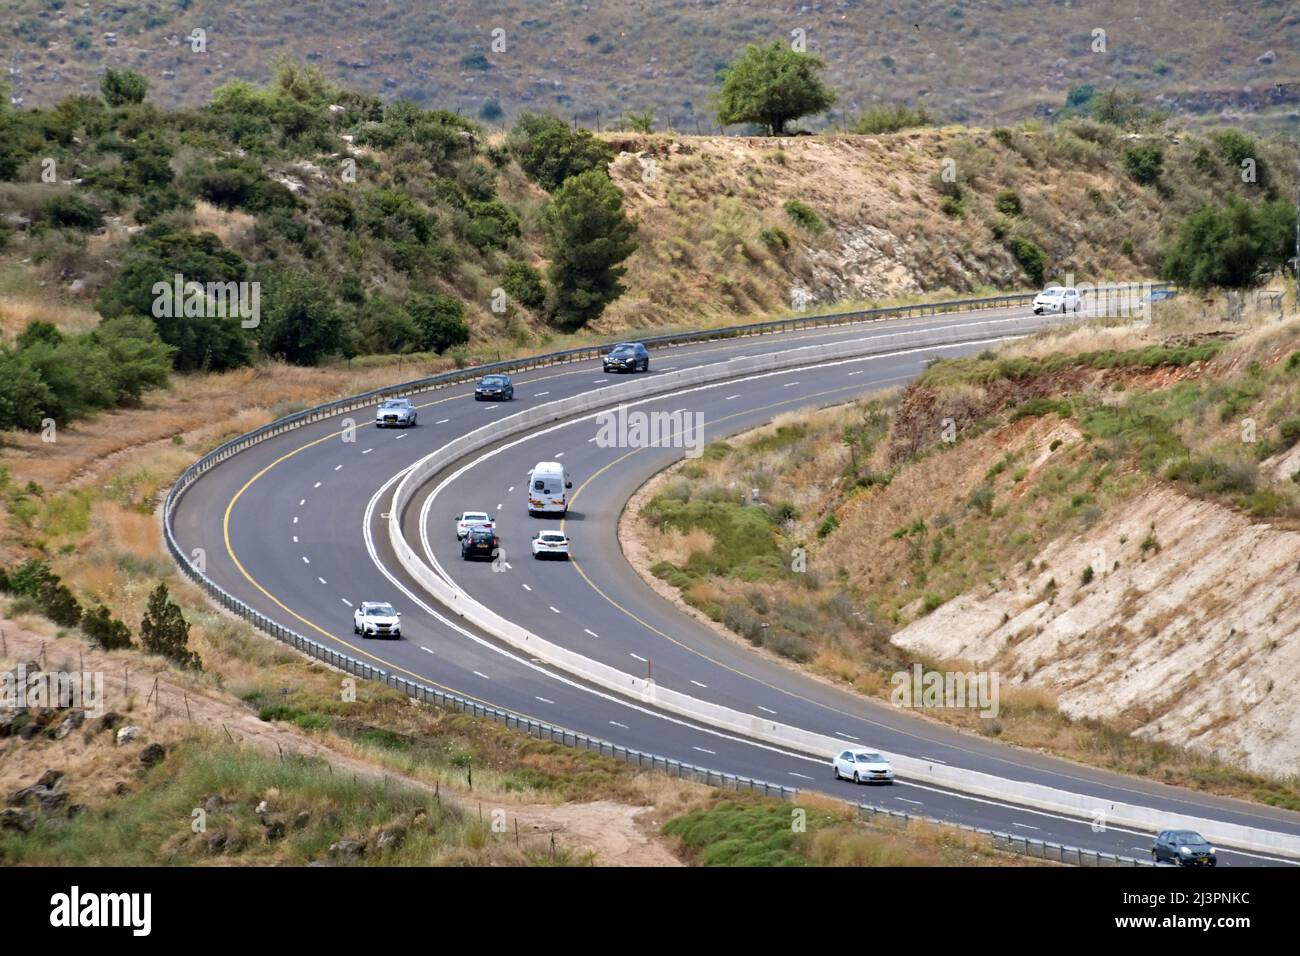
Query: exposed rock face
{"points": [[1208, 604]]}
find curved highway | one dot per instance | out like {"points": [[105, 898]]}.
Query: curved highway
{"points": [[296, 526]]}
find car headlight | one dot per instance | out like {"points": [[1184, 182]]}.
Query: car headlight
{"points": [[1184, 850]]}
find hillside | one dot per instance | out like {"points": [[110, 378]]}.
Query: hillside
{"points": [[992, 62], [1113, 531]]}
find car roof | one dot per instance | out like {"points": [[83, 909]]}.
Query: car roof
{"points": [[465, 514]]}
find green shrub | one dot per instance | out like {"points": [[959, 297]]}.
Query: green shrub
{"points": [[1008, 202], [550, 152], [804, 216], [774, 237], [523, 283], [891, 119], [828, 525], [1143, 163], [1030, 257], [165, 631]]}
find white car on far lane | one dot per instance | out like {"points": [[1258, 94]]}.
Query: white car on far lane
{"points": [[551, 544], [1058, 299], [863, 766], [472, 519]]}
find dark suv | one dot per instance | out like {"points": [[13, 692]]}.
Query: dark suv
{"points": [[628, 357], [1183, 848], [479, 543]]}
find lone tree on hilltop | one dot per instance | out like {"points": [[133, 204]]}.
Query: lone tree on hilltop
{"points": [[772, 85]]}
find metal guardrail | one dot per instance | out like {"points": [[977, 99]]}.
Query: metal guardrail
{"points": [[420, 691], [1026, 846]]}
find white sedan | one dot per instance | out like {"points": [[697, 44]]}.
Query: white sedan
{"points": [[550, 544], [376, 619], [1057, 299], [863, 766], [472, 519]]}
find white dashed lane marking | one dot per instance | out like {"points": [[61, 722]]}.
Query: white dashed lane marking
{"points": [[305, 560], [302, 502], [639, 657], [617, 724], [317, 485], [346, 601], [482, 675], [698, 684], [801, 776], [545, 701], [367, 451], [539, 395], [730, 397], [527, 588], [337, 467], [321, 580], [711, 753], [442, 421], [766, 710], [554, 608], [591, 632]]}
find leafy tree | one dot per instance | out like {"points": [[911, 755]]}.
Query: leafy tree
{"points": [[1230, 246], [123, 87], [104, 630], [440, 322], [550, 152], [1236, 148], [772, 85], [24, 395], [211, 342], [301, 323], [388, 327], [165, 631], [589, 237], [1144, 163], [643, 122]]}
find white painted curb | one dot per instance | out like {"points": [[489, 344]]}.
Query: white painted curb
{"points": [[646, 691]]}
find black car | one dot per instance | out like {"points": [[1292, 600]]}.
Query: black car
{"points": [[479, 543], [1183, 848], [628, 357], [494, 387]]}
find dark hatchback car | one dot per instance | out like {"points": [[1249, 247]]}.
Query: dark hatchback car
{"points": [[494, 388], [628, 357], [1183, 848], [479, 543]]}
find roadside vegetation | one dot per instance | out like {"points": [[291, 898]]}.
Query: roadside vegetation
{"points": [[734, 830]]}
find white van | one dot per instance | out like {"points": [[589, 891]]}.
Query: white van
{"points": [[548, 485]]}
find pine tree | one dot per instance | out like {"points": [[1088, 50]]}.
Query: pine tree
{"points": [[165, 631], [104, 630]]}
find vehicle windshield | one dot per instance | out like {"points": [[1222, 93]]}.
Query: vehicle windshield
{"points": [[555, 538], [870, 758], [475, 516], [1054, 291], [1188, 837], [394, 403], [623, 350], [494, 380], [379, 610]]}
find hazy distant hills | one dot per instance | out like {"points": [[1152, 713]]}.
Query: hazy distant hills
{"points": [[978, 62]]}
